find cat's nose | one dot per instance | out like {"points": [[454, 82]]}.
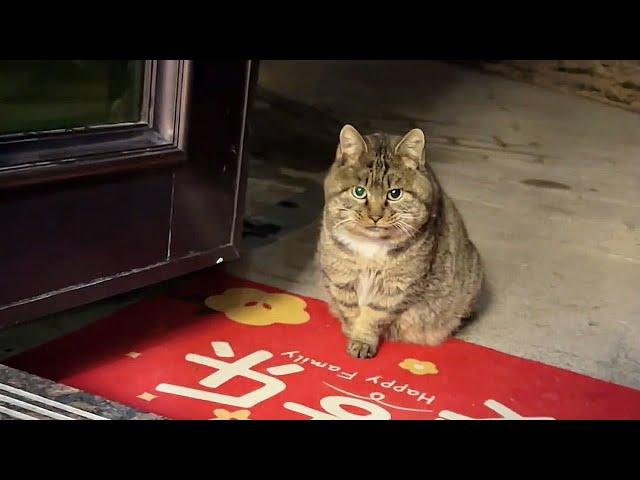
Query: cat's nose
{"points": [[375, 218]]}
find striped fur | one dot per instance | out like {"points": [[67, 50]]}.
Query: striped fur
{"points": [[404, 270]]}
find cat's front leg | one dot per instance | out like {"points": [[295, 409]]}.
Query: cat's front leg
{"points": [[343, 315], [373, 318], [343, 304], [364, 333]]}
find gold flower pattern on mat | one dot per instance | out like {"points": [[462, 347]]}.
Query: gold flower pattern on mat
{"points": [[250, 306]]}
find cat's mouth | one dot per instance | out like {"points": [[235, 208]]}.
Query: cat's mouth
{"points": [[375, 232]]}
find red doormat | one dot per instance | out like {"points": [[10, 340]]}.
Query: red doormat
{"points": [[258, 353]]}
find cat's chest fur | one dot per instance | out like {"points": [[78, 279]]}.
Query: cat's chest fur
{"points": [[370, 256], [369, 285], [370, 250]]}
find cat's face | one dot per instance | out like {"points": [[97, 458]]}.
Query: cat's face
{"points": [[378, 188]]}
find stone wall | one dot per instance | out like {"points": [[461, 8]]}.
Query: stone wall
{"points": [[615, 82]]}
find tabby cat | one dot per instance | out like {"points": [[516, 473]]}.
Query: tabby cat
{"points": [[393, 249]]}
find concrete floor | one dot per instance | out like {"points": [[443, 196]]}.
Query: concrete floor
{"points": [[549, 186]]}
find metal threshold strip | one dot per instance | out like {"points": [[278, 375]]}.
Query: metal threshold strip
{"points": [[23, 405]]}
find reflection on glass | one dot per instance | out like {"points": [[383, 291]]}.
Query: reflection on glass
{"points": [[38, 95]]}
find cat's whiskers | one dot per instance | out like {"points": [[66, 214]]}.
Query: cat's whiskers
{"points": [[406, 230], [343, 221], [403, 226], [399, 228], [409, 226]]}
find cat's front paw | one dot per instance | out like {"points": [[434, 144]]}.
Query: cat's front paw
{"points": [[359, 349]]}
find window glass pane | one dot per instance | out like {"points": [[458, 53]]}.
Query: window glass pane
{"points": [[38, 95]]}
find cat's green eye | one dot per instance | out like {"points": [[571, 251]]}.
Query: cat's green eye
{"points": [[394, 194], [359, 192]]}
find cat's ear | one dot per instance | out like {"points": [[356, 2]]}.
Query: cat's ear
{"points": [[411, 148], [351, 146]]}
